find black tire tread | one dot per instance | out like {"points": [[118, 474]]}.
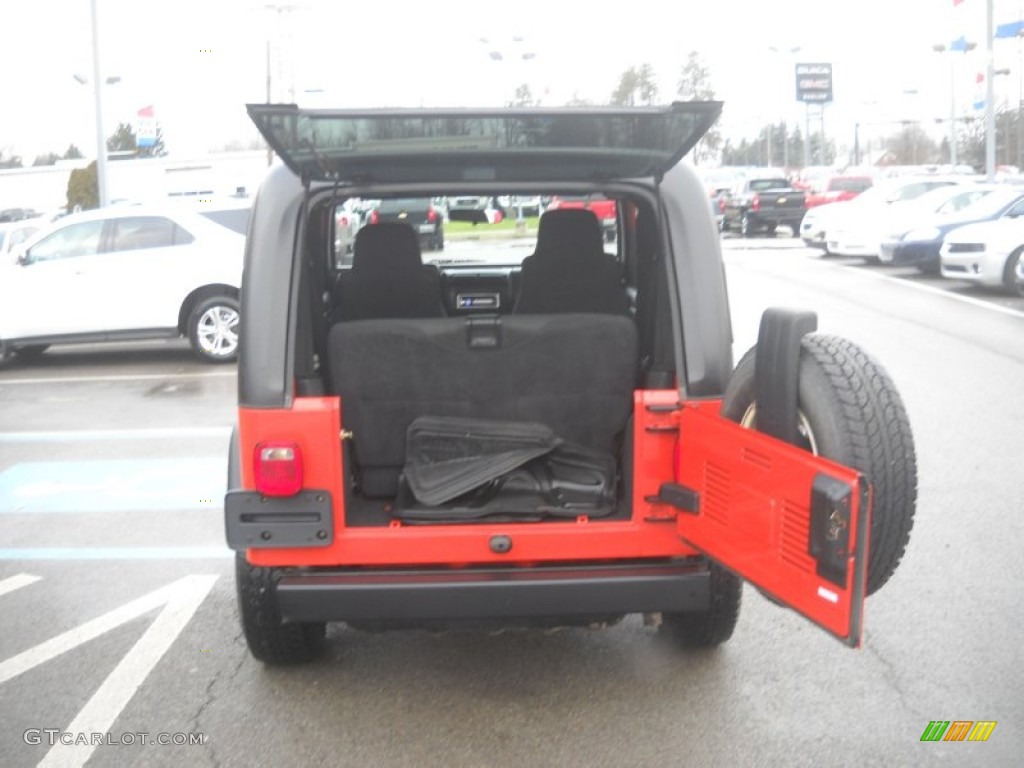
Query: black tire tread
{"points": [[881, 441], [707, 629], [270, 639], [1010, 271], [746, 225], [30, 351]]}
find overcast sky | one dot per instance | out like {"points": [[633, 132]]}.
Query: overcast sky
{"points": [[198, 62]]}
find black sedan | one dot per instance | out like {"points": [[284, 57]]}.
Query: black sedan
{"points": [[920, 246]]}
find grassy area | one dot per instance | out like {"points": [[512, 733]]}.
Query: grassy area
{"points": [[509, 224]]}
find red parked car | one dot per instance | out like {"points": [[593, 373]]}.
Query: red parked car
{"points": [[836, 189]]}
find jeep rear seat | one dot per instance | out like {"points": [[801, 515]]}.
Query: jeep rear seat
{"points": [[573, 372]]}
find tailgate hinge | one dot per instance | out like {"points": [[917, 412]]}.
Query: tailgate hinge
{"points": [[679, 496]]}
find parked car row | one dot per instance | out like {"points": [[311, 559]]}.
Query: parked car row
{"points": [[428, 216], [957, 226]]}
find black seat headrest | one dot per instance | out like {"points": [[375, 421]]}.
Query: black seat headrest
{"points": [[568, 233], [386, 248]]}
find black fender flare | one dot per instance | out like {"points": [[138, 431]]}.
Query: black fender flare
{"points": [[234, 468]]}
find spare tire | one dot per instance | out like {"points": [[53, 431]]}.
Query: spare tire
{"points": [[849, 411]]}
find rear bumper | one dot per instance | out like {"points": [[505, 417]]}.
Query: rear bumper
{"points": [[842, 245], [977, 267], [493, 593], [777, 216]]}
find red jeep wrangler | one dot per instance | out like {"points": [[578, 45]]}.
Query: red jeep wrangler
{"points": [[550, 434]]}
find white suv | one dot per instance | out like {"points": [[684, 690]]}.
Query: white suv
{"points": [[125, 273]]}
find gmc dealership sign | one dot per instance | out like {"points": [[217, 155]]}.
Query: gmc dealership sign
{"points": [[814, 83]]}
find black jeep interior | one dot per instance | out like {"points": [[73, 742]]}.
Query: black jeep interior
{"points": [[562, 347]]}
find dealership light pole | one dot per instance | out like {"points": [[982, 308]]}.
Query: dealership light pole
{"points": [[940, 48], [101, 141], [990, 97]]}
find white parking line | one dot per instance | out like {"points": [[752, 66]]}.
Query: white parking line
{"points": [[90, 435], [110, 699], [122, 377], [116, 553], [187, 589], [17, 582], [180, 601]]}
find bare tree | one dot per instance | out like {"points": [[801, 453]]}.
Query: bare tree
{"points": [[695, 85], [636, 86], [9, 160], [624, 94], [523, 97], [912, 146], [647, 85]]}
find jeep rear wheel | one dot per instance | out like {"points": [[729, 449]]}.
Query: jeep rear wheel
{"points": [[849, 411], [269, 638], [711, 627], [213, 329]]}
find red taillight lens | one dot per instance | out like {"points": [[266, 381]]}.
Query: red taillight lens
{"points": [[431, 215], [755, 202], [278, 468], [374, 218]]}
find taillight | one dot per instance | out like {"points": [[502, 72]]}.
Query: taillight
{"points": [[374, 218], [755, 202], [278, 468], [431, 215], [498, 217], [343, 221], [721, 205]]}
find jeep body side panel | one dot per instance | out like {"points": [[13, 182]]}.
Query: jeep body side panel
{"points": [[265, 367], [793, 524], [700, 283]]}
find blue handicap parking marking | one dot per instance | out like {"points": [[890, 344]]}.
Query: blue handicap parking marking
{"points": [[113, 486]]}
